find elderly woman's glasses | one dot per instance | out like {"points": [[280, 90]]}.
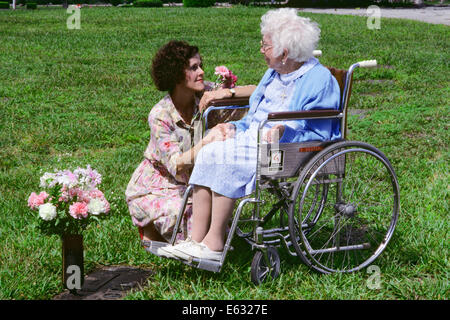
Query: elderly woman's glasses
{"points": [[264, 46]]}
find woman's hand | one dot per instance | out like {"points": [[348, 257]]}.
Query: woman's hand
{"points": [[274, 134], [209, 96], [220, 132]]}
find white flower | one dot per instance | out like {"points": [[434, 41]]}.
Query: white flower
{"points": [[47, 211], [47, 179], [97, 206], [67, 178]]}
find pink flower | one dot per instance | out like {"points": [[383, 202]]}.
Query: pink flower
{"points": [[230, 81], [81, 195], [35, 200], [96, 194], [79, 210], [226, 78], [222, 71]]}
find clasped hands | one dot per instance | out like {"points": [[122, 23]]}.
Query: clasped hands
{"points": [[225, 131]]}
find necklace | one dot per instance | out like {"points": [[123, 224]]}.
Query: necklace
{"points": [[283, 95]]}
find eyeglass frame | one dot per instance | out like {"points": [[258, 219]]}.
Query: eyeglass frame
{"points": [[264, 47]]}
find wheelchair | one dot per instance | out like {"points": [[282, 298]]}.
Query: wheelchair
{"points": [[332, 204]]}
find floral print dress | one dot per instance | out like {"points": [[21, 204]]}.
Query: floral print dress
{"points": [[154, 192]]}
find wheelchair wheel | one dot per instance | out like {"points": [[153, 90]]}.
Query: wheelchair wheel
{"points": [[261, 269], [360, 213]]}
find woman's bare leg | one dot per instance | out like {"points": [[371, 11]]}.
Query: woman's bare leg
{"points": [[222, 209], [201, 212], [150, 233]]}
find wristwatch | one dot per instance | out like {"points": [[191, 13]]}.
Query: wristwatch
{"points": [[233, 92]]}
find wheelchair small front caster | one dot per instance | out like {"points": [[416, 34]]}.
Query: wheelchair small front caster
{"points": [[262, 269]]}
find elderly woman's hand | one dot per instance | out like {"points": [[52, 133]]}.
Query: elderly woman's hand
{"points": [[209, 96], [274, 134]]}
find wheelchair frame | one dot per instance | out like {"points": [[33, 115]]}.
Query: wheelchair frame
{"points": [[321, 159]]}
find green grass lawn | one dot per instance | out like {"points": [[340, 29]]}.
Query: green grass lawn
{"points": [[70, 98]]}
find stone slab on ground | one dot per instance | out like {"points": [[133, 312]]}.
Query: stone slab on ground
{"points": [[108, 283]]}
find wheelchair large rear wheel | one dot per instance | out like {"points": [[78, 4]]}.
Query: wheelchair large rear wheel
{"points": [[361, 210]]}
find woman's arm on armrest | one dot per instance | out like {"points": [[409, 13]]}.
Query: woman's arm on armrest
{"points": [[240, 92]]}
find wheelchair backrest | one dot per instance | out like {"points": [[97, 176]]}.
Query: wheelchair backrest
{"points": [[346, 87]]}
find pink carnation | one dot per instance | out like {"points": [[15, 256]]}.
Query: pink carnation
{"points": [[81, 195], [96, 194], [226, 78], [79, 210], [222, 71], [36, 200], [230, 81]]}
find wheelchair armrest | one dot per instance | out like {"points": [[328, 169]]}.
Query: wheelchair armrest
{"points": [[224, 104], [292, 115], [230, 102]]}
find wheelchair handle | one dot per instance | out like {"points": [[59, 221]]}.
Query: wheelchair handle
{"points": [[368, 63]]}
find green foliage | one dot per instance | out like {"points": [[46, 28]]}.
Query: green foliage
{"points": [[115, 2], [31, 5], [198, 3], [148, 3], [4, 5]]}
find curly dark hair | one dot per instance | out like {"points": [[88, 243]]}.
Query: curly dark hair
{"points": [[169, 64]]}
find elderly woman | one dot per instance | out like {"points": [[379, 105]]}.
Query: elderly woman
{"points": [[225, 170], [155, 192]]}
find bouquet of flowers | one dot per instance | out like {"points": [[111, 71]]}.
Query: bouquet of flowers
{"points": [[225, 78], [70, 202]]}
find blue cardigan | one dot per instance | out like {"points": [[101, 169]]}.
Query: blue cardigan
{"points": [[316, 89]]}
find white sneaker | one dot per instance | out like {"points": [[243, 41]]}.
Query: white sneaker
{"points": [[176, 251], [166, 252], [198, 250]]}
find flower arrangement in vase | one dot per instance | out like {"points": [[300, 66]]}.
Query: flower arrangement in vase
{"points": [[70, 201]]}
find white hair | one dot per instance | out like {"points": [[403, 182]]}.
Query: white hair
{"points": [[289, 31]]}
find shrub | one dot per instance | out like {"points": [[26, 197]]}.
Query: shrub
{"points": [[115, 2], [198, 3], [4, 5], [31, 5], [148, 3]]}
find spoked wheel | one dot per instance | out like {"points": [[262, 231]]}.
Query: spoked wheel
{"points": [[361, 210], [264, 269]]}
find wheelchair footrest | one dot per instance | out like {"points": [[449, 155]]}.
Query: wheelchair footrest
{"points": [[204, 264], [153, 246], [209, 265]]}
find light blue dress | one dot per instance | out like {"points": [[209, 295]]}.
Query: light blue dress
{"points": [[229, 167]]}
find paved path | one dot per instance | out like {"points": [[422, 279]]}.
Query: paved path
{"points": [[435, 15]]}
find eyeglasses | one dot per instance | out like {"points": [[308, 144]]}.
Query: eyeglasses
{"points": [[264, 46]]}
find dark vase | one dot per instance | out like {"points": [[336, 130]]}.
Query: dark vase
{"points": [[73, 262]]}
